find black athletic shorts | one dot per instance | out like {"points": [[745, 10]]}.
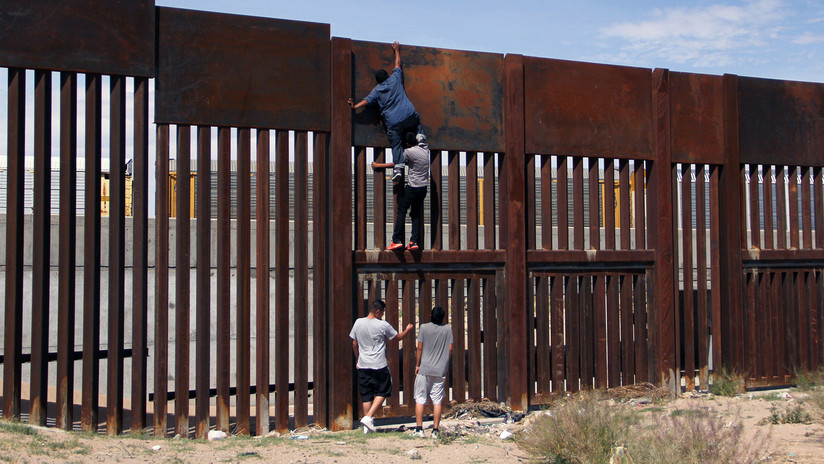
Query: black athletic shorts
{"points": [[374, 382]]}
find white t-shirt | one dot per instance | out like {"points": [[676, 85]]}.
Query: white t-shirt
{"points": [[371, 335]]}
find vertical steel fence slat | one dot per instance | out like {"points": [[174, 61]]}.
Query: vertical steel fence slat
{"points": [[435, 199], [408, 316], [473, 295], [688, 307], [392, 351], [609, 204], [623, 185], [282, 282], [161, 319], [459, 331], [490, 336], [244, 280], [454, 203], [203, 298], [613, 331], [67, 233], [182, 299], [818, 197], [588, 374], [262, 285], [360, 198], [557, 332], [530, 204], [715, 267], [40, 247], [472, 200], [701, 270], [117, 252], [793, 199], [140, 289], [572, 318], [15, 193], [755, 225], [627, 325], [563, 204], [379, 187], [806, 208], [578, 201], [641, 334], [781, 206], [489, 201], [319, 319], [301, 319], [543, 376], [640, 206], [599, 293], [223, 294], [769, 226], [546, 202], [91, 258], [594, 205]]}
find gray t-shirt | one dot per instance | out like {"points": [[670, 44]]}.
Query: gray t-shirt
{"points": [[372, 335], [417, 158], [435, 356]]}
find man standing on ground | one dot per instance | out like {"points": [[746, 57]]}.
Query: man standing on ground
{"points": [[416, 156], [397, 110], [434, 351], [369, 336]]}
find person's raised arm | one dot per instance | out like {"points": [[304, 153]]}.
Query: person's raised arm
{"points": [[405, 332], [397, 48], [355, 106]]}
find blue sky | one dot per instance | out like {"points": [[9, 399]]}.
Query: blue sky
{"points": [[778, 39]]}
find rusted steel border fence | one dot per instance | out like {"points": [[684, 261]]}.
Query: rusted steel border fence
{"points": [[621, 225]]}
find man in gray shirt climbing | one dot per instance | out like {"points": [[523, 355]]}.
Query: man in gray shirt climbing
{"points": [[434, 351]]}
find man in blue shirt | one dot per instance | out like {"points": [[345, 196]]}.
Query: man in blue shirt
{"points": [[397, 111]]}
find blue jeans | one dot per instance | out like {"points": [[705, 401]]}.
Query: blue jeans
{"points": [[395, 135]]}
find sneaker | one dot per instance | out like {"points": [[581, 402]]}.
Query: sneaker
{"points": [[394, 246], [412, 246], [435, 434], [418, 433], [397, 173], [368, 424]]}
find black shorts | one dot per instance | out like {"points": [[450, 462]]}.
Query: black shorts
{"points": [[374, 382]]}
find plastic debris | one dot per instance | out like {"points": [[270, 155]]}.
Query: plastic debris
{"points": [[299, 437], [216, 435], [156, 448], [505, 434]]}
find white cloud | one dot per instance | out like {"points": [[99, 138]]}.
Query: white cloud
{"points": [[808, 38], [713, 35]]}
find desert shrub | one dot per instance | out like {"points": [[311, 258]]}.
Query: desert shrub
{"points": [[725, 383], [582, 430], [793, 414], [696, 438]]}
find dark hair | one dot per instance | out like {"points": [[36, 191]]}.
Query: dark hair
{"points": [[437, 315], [381, 75], [410, 139], [377, 305]]}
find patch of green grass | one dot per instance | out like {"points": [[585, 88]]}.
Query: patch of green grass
{"points": [[654, 410], [807, 380], [771, 397], [248, 455], [687, 413], [17, 428]]}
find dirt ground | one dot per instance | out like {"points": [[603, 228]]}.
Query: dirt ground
{"points": [[466, 440]]}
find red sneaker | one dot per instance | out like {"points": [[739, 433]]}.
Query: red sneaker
{"points": [[394, 246], [412, 246]]}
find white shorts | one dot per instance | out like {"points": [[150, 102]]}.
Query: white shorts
{"points": [[429, 386]]}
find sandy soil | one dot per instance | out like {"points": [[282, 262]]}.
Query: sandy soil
{"points": [[467, 440]]}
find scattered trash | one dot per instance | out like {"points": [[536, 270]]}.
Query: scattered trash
{"points": [[787, 396], [156, 448], [620, 455], [299, 437], [505, 434], [216, 435], [413, 454], [176, 437], [341, 443], [272, 434], [474, 410]]}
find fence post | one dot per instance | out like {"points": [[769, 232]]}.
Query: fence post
{"points": [[339, 240], [661, 239], [730, 204], [515, 216]]}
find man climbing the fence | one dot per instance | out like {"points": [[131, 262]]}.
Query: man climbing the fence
{"points": [[416, 157], [369, 336], [397, 111], [434, 351]]}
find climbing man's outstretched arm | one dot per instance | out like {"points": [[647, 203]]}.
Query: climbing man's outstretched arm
{"points": [[360, 104], [397, 48]]}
